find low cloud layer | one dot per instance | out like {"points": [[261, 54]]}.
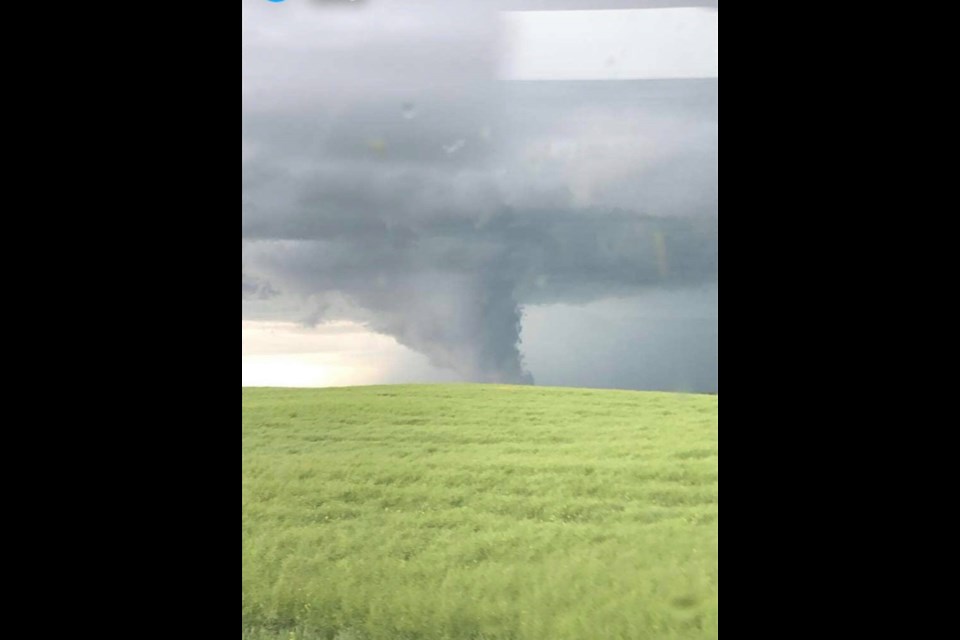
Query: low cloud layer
{"points": [[390, 177]]}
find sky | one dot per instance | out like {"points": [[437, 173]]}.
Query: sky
{"points": [[439, 191]]}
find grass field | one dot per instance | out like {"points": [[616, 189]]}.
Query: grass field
{"points": [[479, 512]]}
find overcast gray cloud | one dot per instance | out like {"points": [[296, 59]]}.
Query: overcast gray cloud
{"points": [[390, 177]]}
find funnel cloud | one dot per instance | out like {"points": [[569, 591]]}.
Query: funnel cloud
{"points": [[392, 177]]}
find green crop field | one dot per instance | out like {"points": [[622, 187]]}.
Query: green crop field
{"points": [[479, 512]]}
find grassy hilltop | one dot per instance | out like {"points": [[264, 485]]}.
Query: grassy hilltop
{"points": [[479, 512]]}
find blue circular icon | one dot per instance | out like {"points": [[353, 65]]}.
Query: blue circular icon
{"points": [[276, 1]]}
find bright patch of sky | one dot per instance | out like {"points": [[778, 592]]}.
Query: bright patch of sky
{"points": [[612, 45]]}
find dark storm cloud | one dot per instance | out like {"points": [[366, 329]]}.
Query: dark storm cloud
{"points": [[253, 289], [397, 183]]}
